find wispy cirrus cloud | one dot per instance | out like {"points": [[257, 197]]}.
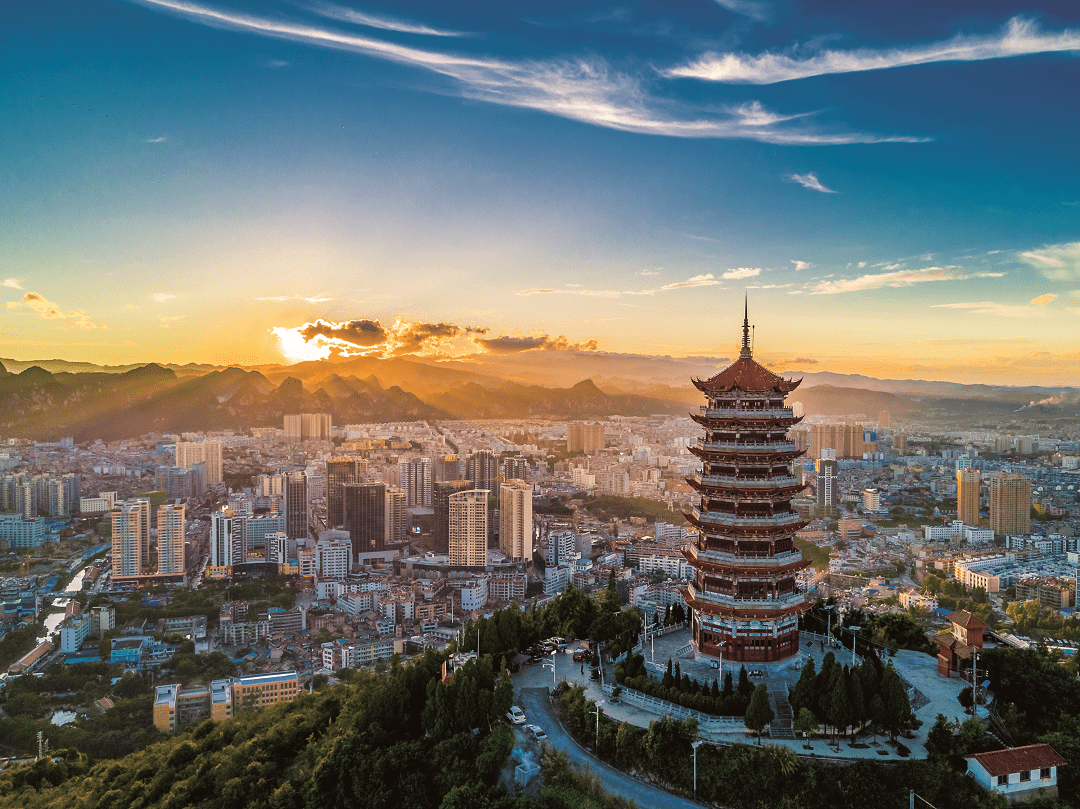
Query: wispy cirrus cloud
{"points": [[580, 88], [706, 280], [162, 297], [11, 283], [1058, 262], [162, 139], [989, 308], [332, 11], [1042, 300], [810, 181], [748, 8], [47, 310], [899, 278], [1019, 37], [282, 298]]}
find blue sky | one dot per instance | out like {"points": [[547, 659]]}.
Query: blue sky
{"points": [[894, 185]]}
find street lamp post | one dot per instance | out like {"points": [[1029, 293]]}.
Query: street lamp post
{"points": [[695, 745], [552, 665], [596, 709], [854, 637], [828, 632]]}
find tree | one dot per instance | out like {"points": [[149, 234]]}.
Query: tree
{"points": [[759, 712], [839, 713], [897, 707], [669, 677], [746, 688], [678, 614], [939, 741], [877, 713], [806, 723]]}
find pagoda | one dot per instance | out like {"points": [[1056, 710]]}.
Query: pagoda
{"points": [[743, 594]]}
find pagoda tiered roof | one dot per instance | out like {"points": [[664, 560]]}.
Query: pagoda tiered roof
{"points": [[746, 374]]}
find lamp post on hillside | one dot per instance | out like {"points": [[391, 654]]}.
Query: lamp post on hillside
{"points": [[831, 608], [695, 745], [596, 709], [552, 665], [854, 637]]}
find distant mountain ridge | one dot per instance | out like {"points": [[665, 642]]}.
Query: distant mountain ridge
{"points": [[124, 401]]}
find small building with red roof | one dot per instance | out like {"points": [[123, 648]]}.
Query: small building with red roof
{"points": [[960, 642], [1018, 773]]}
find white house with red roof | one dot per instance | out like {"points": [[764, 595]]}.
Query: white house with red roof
{"points": [[1019, 773]]}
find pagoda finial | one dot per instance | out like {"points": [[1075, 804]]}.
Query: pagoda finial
{"points": [[745, 352]]}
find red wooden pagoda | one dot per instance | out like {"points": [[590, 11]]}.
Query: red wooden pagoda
{"points": [[746, 605]]}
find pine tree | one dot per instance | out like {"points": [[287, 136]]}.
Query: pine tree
{"points": [[729, 686], [746, 688], [839, 713], [856, 700], [669, 677], [759, 712], [714, 692]]}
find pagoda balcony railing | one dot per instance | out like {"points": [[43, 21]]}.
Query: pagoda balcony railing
{"points": [[726, 481], [779, 602], [723, 518], [732, 413], [734, 560], [732, 446]]}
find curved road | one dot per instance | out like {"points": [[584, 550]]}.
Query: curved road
{"points": [[534, 702]]}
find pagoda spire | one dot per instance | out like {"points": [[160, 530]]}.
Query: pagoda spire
{"points": [[745, 352]]}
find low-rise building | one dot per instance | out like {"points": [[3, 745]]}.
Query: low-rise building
{"points": [[1018, 773]]}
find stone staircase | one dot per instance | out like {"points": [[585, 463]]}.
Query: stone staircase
{"points": [[686, 651], [782, 724]]}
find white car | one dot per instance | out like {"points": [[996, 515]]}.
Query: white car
{"points": [[516, 715], [537, 732]]}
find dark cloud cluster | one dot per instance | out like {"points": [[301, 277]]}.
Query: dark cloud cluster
{"points": [[513, 345], [368, 336], [366, 333]]}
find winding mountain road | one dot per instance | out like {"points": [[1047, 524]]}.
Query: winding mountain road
{"points": [[538, 710]]}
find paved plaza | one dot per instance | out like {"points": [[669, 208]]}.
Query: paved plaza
{"points": [[919, 670]]}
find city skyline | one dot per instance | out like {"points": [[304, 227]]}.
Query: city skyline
{"points": [[239, 183]]}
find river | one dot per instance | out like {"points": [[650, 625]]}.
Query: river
{"points": [[56, 614]]}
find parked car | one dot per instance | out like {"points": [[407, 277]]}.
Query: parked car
{"points": [[580, 656], [537, 732], [516, 715]]}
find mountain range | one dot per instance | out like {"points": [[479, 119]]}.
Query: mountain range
{"points": [[49, 399]]}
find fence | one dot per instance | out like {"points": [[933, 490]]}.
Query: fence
{"points": [[662, 707]]}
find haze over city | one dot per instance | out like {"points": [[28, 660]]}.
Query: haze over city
{"points": [[893, 186]]}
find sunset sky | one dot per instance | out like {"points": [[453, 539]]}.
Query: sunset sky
{"points": [[895, 186]]}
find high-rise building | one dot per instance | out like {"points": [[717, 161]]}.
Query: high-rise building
{"points": [[130, 538], [365, 516], [189, 453], [269, 485], [415, 477], [278, 548], [440, 504], [340, 471], [307, 427], [334, 554], [968, 482], [1010, 505], [170, 544], [226, 538], [745, 602], [447, 467], [899, 444], [515, 521], [469, 528], [582, 437], [482, 468], [515, 468], [846, 439], [828, 484], [296, 505], [397, 517]]}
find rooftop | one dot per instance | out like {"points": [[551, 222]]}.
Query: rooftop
{"points": [[1019, 759]]}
